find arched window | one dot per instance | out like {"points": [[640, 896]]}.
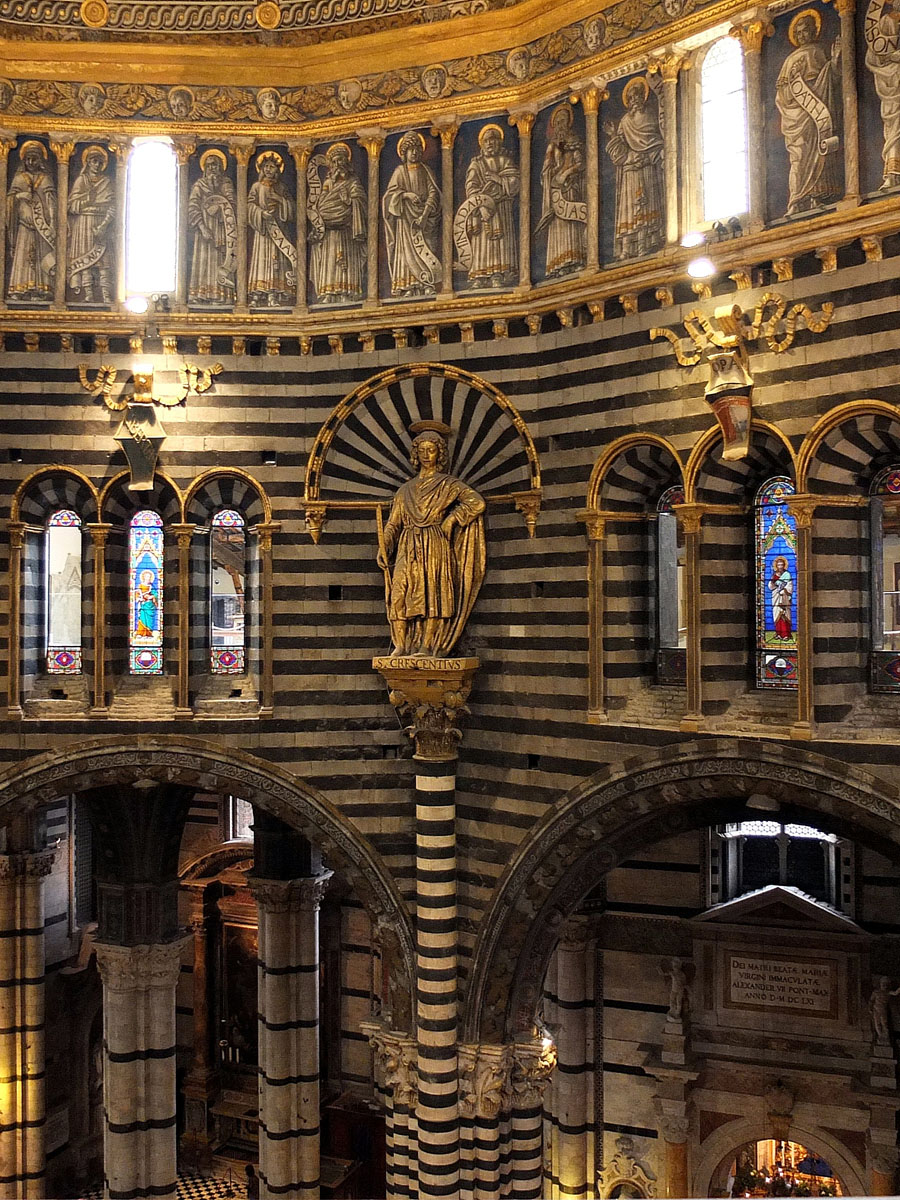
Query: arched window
{"points": [[145, 584], [776, 586], [671, 598], [760, 853], [62, 591], [228, 572], [151, 220], [723, 131], [885, 529]]}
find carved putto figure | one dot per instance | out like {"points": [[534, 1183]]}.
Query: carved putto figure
{"points": [[272, 276], [882, 33], [336, 210], [679, 989], [434, 80], [435, 535], [880, 1010], [212, 218], [807, 95], [563, 208], [412, 217], [91, 212], [92, 98], [31, 226], [635, 145], [485, 228], [181, 102]]}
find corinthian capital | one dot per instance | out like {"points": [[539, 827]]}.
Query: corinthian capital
{"points": [[532, 1066], [136, 968], [484, 1080], [395, 1062], [289, 895]]}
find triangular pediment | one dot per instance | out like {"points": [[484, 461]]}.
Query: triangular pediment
{"points": [[779, 906]]}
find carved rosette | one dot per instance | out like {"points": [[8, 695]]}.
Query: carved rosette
{"points": [[484, 1081], [430, 696], [395, 1062], [137, 968], [532, 1065], [289, 895], [33, 865]]}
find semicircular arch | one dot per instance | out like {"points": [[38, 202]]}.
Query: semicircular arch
{"points": [[649, 458], [830, 460], [54, 487], [766, 447]]}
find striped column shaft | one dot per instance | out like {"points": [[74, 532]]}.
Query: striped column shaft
{"points": [[436, 965], [526, 1153], [551, 1099], [484, 1075], [288, 981], [395, 1086], [22, 1100], [139, 1141], [573, 1072]]}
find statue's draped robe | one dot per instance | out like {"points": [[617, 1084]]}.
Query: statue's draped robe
{"points": [[495, 244], [412, 195], [268, 200], [91, 210], [636, 150], [211, 214], [338, 264], [562, 189], [31, 233], [433, 575], [883, 60], [814, 176]]}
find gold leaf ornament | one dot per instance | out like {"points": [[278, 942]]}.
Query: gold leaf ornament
{"points": [[267, 14], [94, 13]]}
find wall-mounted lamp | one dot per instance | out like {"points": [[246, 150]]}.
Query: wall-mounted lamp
{"points": [[701, 268], [693, 238], [137, 305]]}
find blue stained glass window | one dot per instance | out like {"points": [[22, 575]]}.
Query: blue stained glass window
{"points": [[227, 563], [62, 584], [776, 586], [145, 579]]}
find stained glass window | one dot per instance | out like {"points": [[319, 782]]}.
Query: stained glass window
{"points": [[62, 590], [227, 562], [885, 528], [723, 122], [776, 586], [145, 577]]}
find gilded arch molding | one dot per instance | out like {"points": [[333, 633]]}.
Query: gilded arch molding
{"points": [[192, 761], [606, 817]]}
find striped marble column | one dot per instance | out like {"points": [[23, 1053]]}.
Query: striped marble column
{"points": [[288, 975], [573, 1090], [395, 1086], [22, 1101], [139, 1140], [484, 1072], [532, 1065]]}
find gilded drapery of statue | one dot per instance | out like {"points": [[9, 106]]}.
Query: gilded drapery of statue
{"points": [[336, 210], [807, 95], [31, 226], [882, 31], [485, 228], [412, 220], [563, 206], [92, 206], [213, 220], [435, 534], [272, 275], [635, 146]]}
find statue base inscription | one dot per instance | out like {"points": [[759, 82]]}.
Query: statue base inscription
{"points": [[430, 697]]}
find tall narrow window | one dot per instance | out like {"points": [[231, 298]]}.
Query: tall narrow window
{"points": [[723, 130], [62, 590], [776, 586], [151, 221], [227, 562], [885, 527], [145, 575], [671, 598]]}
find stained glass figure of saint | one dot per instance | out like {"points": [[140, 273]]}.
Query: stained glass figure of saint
{"points": [[776, 571], [146, 579]]}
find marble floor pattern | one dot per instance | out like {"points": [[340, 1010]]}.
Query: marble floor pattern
{"points": [[196, 1187]]}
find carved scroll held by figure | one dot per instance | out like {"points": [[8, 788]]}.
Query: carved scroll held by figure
{"points": [[336, 210], [563, 207], [807, 95], [91, 213], [880, 1010], [882, 32], [435, 534], [412, 219], [635, 146], [31, 227], [213, 220], [272, 276], [486, 227], [679, 989]]}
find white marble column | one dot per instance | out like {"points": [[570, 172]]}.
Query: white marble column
{"points": [[574, 1079], [242, 152], [22, 1100], [183, 150], [7, 143], [63, 151], [524, 122], [751, 37], [372, 141], [301, 151], [447, 130], [847, 12], [288, 976], [590, 102], [139, 1068], [669, 64]]}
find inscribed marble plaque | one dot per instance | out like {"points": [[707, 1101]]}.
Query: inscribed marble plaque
{"points": [[785, 985]]}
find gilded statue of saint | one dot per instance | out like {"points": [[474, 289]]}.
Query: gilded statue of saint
{"points": [[436, 535]]}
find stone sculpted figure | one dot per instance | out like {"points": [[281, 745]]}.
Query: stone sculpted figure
{"points": [[807, 95], [635, 146], [91, 206], [486, 228], [412, 218], [336, 210], [272, 275], [31, 226], [679, 992], [435, 535], [563, 207], [212, 217], [880, 1010], [882, 33]]}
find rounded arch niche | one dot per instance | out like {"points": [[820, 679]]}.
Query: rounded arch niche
{"points": [[206, 766], [361, 454], [608, 817]]}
